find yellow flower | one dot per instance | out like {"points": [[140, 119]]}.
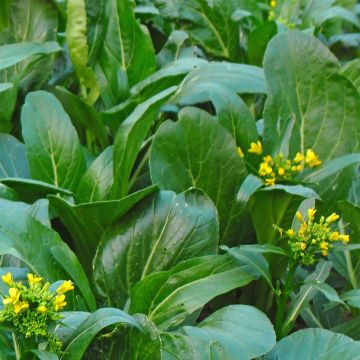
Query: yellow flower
{"points": [[33, 279], [334, 236], [299, 216], [42, 309], [332, 218], [299, 157], [21, 306], [311, 214], [59, 302], [7, 279], [14, 295], [268, 159], [290, 232], [281, 171], [64, 287], [324, 245], [265, 169], [273, 3], [312, 159], [270, 182], [344, 238], [255, 148], [302, 246], [240, 152]]}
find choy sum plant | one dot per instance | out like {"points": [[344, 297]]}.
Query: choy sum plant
{"points": [[179, 179]]}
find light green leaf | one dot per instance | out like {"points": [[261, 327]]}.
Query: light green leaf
{"points": [[213, 78], [79, 52], [13, 162], [352, 71], [44, 355], [8, 96], [12, 54], [156, 235], [169, 297], [244, 331], [52, 145], [315, 344], [352, 298], [198, 152]]}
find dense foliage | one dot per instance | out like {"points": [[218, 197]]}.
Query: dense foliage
{"points": [[179, 179]]}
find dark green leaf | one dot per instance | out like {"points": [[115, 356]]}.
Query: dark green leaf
{"points": [[156, 235], [198, 152], [52, 145], [169, 297]]}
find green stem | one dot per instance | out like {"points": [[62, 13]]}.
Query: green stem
{"points": [[350, 269], [282, 301], [16, 347]]}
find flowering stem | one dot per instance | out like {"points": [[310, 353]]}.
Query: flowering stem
{"points": [[282, 300], [16, 347]]}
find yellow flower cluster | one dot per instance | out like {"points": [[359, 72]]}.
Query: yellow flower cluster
{"points": [[278, 169], [31, 308], [312, 237]]}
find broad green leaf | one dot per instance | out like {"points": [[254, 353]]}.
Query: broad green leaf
{"points": [[18, 229], [276, 205], [352, 298], [307, 292], [52, 145], [30, 190], [262, 249], [82, 115], [95, 185], [315, 344], [159, 233], [198, 152], [169, 297], [30, 21], [253, 259], [328, 291], [213, 78], [80, 339], [87, 222], [44, 355], [129, 138], [8, 96], [337, 12], [136, 344], [331, 129], [349, 328], [205, 22], [249, 186], [126, 56], [79, 51], [303, 79], [244, 331], [12, 54], [352, 71], [182, 347], [13, 162], [234, 115]]}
